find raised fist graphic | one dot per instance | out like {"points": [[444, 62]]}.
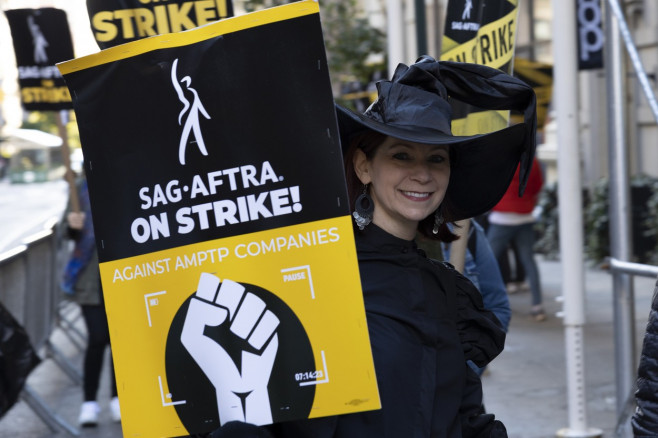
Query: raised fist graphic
{"points": [[241, 389]]}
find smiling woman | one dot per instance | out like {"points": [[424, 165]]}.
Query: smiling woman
{"points": [[409, 181], [407, 174], [425, 320]]}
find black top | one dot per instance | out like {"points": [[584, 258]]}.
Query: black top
{"points": [[645, 418], [425, 321]]}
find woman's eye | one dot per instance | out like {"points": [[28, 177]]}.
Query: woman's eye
{"points": [[437, 159], [401, 156]]}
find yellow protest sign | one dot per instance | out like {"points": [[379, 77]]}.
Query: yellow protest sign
{"points": [[220, 211]]}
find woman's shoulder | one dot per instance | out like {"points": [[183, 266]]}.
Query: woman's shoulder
{"points": [[462, 284], [481, 334]]}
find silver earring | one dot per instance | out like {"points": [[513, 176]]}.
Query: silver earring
{"points": [[363, 208], [438, 221]]}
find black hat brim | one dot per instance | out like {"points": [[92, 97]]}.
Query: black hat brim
{"points": [[483, 165]]}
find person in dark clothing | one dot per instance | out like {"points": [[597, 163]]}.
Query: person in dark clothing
{"points": [[407, 174], [511, 268], [82, 281], [645, 419]]}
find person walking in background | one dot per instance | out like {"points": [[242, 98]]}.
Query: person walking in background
{"points": [[509, 264], [82, 281], [513, 273], [511, 220]]}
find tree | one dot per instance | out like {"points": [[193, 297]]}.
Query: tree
{"points": [[355, 49], [352, 43]]}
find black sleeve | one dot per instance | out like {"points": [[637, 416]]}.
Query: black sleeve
{"points": [[238, 429], [645, 419], [323, 427], [475, 422], [480, 332], [72, 233]]}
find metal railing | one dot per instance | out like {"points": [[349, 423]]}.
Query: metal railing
{"points": [[29, 290], [627, 405], [631, 268], [619, 194]]}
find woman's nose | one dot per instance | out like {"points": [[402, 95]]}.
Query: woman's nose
{"points": [[421, 172]]}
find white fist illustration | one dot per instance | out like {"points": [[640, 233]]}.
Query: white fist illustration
{"points": [[241, 393]]}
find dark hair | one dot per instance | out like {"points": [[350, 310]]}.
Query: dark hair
{"points": [[368, 141]]}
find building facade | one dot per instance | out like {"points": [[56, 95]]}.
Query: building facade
{"points": [[534, 42]]}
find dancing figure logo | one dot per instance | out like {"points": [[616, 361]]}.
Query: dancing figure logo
{"points": [[189, 115]]}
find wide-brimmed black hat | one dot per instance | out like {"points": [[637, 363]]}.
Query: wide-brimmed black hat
{"points": [[414, 106]]}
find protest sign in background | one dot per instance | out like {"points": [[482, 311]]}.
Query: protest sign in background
{"points": [[539, 76], [479, 32], [41, 39], [115, 22], [223, 231], [484, 33]]}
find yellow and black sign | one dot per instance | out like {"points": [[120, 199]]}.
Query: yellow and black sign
{"points": [[41, 39], [484, 33], [115, 22], [220, 212], [479, 33], [539, 76]]}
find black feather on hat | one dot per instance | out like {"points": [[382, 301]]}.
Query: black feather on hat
{"points": [[414, 106]]}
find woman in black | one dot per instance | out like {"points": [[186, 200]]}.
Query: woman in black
{"points": [[407, 174], [82, 282]]}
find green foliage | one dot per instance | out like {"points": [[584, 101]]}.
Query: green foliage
{"points": [[547, 225], [597, 224], [596, 219], [255, 5], [351, 42], [643, 220], [650, 221], [42, 121]]}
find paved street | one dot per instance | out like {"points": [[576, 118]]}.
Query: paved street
{"points": [[24, 208], [526, 387]]}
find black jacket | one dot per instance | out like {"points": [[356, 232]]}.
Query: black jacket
{"points": [[425, 321], [645, 419]]}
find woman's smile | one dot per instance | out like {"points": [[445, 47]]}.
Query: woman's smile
{"points": [[407, 183], [416, 195]]}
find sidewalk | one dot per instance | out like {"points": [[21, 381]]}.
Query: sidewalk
{"points": [[61, 395], [525, 387]]}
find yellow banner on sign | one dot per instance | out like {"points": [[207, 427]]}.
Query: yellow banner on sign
{"points": [[489, 42], [540, 77], [480, 122], [493, 46], [151, 310], [196, 35]]}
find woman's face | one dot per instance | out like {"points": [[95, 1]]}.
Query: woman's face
{"points": [[407, 183]]}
